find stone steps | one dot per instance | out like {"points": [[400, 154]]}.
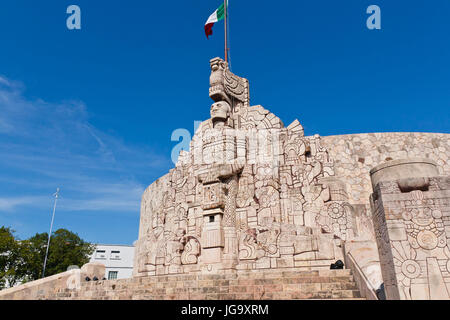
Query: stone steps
{"points": [[286, 285]]}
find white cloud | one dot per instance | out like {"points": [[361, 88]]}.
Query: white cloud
{"points": [[11, 203], [45, 145], [4, 81]]}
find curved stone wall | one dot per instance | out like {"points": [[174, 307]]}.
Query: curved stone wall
{"points": [[352, 158], [356, 154]]}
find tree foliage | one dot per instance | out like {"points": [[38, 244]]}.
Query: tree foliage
{"points": [[25, 259], [12, 264]]}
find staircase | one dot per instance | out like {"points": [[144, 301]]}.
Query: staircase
{"points": [[260, 285]]}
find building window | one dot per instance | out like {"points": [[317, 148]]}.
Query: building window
{"points": [[115, 255], [112, 275], [100, 254], [211, 218]]}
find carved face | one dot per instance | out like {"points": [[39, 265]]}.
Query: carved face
{"points": [[215, 64], [220, 110], [421, 216], [216, 78]]}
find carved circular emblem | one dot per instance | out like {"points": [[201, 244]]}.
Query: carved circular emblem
{"points": [[335, 211], [418, 202], [427, 239], [437, 214], [427, 212], [414, 212], [411, 269]]}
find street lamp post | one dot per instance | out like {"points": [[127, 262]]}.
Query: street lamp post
{"points": [[50, 233]]}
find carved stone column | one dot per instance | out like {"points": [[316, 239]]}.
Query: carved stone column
{"points": [[411, 213], [212, 238], [230, 252]]}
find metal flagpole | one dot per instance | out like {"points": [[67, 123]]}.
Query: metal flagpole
{"points": [[228, 39], [225, 7], [50, 233]]}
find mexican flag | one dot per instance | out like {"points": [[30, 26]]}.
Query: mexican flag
{"points": [[217, 15]]}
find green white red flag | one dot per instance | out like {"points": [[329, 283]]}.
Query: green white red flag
{"points": [[217, 15]]}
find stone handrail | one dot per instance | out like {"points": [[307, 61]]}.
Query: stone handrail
{"points": [[364, 285]]}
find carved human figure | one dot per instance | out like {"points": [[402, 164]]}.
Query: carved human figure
{"points": [[153, 242], [175, 247], [220, 112]]}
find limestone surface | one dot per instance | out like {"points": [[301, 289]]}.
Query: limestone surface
{"points": [[258, 210], [252, 194]]}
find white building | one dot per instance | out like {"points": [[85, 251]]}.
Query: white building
{"points": [[118, 260]]}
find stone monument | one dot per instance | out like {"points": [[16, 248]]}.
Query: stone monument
{"points": [[258, 210], [250, 194], [253, 194]]}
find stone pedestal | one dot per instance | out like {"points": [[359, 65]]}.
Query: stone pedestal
{"points": [[212, 236], [403, 169], [230, 253], [411, 213]]}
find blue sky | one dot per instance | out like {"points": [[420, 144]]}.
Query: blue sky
{"points": [[92, 110]]}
